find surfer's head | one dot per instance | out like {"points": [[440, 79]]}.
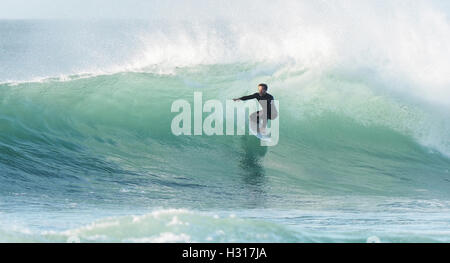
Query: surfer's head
{"points": [[262, 88]]}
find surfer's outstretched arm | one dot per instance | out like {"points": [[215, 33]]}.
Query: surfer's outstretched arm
{"points": [[249, 97]]}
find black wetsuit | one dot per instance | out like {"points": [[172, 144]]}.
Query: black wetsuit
{"points": [[267, 97]]}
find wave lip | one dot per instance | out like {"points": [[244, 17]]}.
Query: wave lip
{"points": [[390, 39]]}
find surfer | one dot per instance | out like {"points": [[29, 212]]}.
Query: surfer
{"points": [[268, 111]]}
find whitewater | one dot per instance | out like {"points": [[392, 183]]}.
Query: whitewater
{"points": [[87, 153]]}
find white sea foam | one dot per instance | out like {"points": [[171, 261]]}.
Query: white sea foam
{"points": [[403, 43]]}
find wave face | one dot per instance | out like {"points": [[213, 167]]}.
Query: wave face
{"points": [[364, 147]]}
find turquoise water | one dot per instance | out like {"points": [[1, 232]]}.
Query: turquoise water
{"points": [[90, 156]]}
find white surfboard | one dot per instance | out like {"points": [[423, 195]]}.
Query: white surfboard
{"points": [[263, 137]]}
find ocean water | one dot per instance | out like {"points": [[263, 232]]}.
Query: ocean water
{"points": [[87, 153]]}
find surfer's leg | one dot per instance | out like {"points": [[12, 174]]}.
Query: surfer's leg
{"points": [[262, 122], [258, 123]]}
